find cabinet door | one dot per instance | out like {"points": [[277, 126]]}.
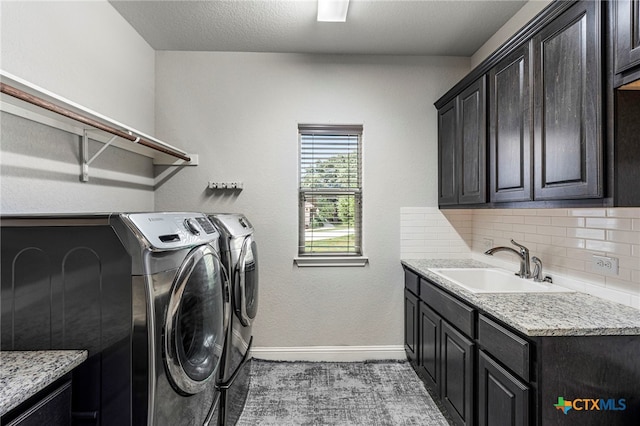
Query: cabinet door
{"points": [[429, 359], [510, 128], [502, 398], [447, 154], [568, 142], [411, 325], [457, 375], [627, 34], [472, 143]]}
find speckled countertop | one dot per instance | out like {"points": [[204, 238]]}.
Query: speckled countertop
{"points": [[539, 314], [24, 373]]}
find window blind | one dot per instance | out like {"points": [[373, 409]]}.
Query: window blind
{"points": [[330, 190]]}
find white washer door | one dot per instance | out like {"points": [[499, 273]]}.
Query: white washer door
{"points": [[194, 328]]}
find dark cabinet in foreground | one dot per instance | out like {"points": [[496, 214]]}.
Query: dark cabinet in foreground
{"points": [[51, 406], [485, 372]]}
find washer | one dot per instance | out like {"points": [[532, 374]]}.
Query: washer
{"points": [[145, 293], [240, 257], [178, 294]]}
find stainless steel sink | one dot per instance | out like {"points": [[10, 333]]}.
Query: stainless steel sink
{"points": [[494, 280]]}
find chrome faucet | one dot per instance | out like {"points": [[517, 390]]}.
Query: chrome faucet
{"points": [[537, 271], [522, 253]]}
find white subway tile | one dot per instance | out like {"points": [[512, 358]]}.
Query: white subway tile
{"points": [[609, 223], [537, 220], [568, 221], [632, 212], [412, 223], [588, 212], [412, 236], [416, 209], [568, 242], [411, 216], [609, 247], [635, 251], [535, 238], [624, 237], [513, 219], [552, 230], [592, 234], [526, 212], [413, 243], [552, 212], [528, 229], [635, 276], [503, 226]]}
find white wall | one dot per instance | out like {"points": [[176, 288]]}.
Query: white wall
{"points": [[512, 26], [239, 112], [86, 52]]}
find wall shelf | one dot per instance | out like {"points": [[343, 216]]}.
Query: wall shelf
{"points": [[22, 98]]}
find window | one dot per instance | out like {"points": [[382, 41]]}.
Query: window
{"points": [[330, 203]]}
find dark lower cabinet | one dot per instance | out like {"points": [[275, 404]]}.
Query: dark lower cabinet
{"points": [[503, 400], [429, 360], [51, 407], [457, 375], [411, 325], [485, 372]]}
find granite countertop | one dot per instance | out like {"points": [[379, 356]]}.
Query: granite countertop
{"points": [[539, 314], [24, 373]]}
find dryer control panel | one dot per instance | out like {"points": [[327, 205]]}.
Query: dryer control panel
{"points": [[166, 231]]}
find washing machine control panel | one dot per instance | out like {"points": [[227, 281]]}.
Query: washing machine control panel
{"points": [[173, 230]]}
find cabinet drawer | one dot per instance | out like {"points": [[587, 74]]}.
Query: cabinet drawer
{"points": [[505, 346], [411, 282], [451, 309]]}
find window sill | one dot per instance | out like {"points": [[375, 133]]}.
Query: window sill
{"points": [[324, 261]]}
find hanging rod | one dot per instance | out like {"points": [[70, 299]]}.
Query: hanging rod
{"points": [[42, 103]]}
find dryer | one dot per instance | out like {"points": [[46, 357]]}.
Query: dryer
{"points": [[178, 294], [240, 256], [145, 293]]}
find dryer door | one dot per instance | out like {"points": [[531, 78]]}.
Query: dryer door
{"points": [[247, 282], [194, 329]]}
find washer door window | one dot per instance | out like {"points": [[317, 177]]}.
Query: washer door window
{"points": [[194, 328], [247, 282]]}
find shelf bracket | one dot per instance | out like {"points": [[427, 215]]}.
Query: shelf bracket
{"points": [[84, 154]]}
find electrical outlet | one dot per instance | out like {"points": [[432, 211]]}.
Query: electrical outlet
{"points": [[487, 243], [604, 265]]}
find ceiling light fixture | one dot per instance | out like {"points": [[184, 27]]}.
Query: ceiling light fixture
{"points": [[332, 10]]}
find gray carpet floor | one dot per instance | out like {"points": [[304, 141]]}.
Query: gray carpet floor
{"points": [[332, 393]]}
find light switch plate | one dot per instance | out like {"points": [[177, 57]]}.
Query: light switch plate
{"points": [[605, 265]]}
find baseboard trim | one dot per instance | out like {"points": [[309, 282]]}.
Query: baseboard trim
{"points": [[330, 353]]}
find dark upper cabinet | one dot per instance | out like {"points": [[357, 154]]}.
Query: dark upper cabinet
{"points": [[510, 128], [447, 151], [473, 137], [411, 325], [547, 113], [568, 148], [462, 146], [626, 35]]}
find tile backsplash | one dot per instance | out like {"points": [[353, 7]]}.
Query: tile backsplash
{"points": [[564, 239]]}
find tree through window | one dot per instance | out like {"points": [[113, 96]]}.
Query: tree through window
{"points": [[330, 190]]}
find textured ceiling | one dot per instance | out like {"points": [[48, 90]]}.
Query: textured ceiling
{"points": [[391, 27]]}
